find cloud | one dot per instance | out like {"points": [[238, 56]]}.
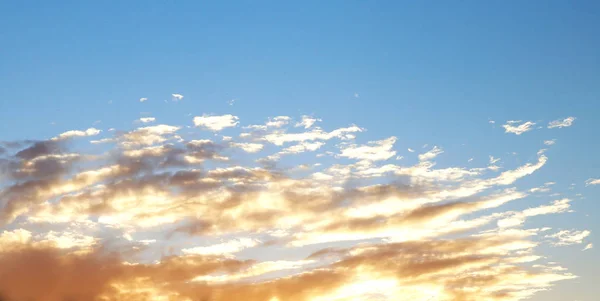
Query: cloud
{"points": [[176, 97], [592, 181], [216, 123], [174, 213], [304, 146], [224, 249], [278, 121], [511, 127], [249, 147], [144, 98], [147, 119], [567, 122], [434, 152], [148, 135], [494, 160], [550, 142], [588, 247], [569, 237], [373, 151], [75, 133], [307, 121], [281, 137]]}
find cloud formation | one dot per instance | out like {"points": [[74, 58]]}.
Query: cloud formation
{"points": [[518, 127], [216, 123], [285, 210], [176, 96], [592, 181], [76, 133], [147, 119], [561, 123]]}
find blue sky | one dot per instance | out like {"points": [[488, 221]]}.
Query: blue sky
{"points": [[428, 72]]}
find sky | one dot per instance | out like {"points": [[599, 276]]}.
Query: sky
{"points": [[299, 150]]}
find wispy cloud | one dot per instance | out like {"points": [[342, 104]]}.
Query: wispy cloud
{"points": [[561, 123], [77, 133], [307, 121], [434, 152], [518, 127], [569, 237], [373, 151], [147, 119], [176, 97], [216, 123], [225, 249]]}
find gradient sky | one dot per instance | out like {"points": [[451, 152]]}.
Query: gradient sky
{"points": [[419, 98]]}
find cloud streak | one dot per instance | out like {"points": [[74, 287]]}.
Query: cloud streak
{"points": [[518, 127], [567, 122]]}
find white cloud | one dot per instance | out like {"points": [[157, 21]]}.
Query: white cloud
{"points": [[148, 135], [518, 218], [410, 150], [103, 140], [225, 249], [592, 181], [147, 119], [249, 147], [373, 151], [70, 134], [492, 121], [434, 152], [588, 246], [569, 237], [304, 146], [539, 189], [494, 160], [216, 123], [307, 121], [550, 142], [561, 123], [519, 129], [278, 121], [143, 99], [280, 137], [176, 97], [67, 240]]}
